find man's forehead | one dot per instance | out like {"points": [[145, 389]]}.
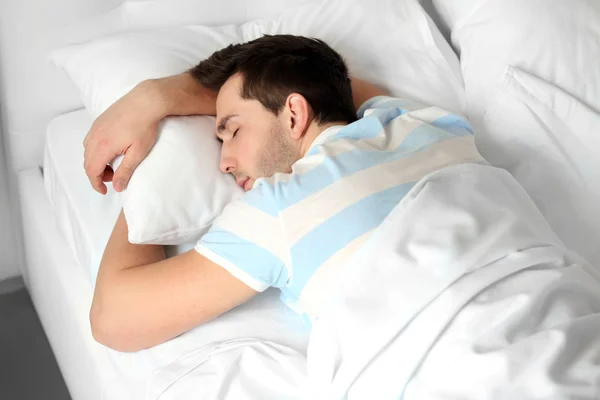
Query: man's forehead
{"points": [[228, 98], [230, 89]]}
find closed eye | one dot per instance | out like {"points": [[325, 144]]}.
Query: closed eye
{"points": [[235, 133]]}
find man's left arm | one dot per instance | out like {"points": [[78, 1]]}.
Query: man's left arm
{"points": [[363, 91], [142, 299]]}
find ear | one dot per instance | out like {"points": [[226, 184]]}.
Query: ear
{"points": [[299, 115]]}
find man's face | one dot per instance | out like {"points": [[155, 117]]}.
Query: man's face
{"points": [[256, 143]]}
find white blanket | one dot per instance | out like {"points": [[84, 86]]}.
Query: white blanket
{"points": [[464, 292]]}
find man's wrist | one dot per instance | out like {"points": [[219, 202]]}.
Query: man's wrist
{"points": [[153, 97], [177, 95]]}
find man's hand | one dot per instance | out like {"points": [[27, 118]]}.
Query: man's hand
{"points": [[130, 126]]}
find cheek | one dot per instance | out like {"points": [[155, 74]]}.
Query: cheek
{"points": [[241, 150], [251, 154]]}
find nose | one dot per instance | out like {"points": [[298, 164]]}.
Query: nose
{"points": [[227, 164]]}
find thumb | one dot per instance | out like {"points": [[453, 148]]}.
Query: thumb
{"points": [[123, 173]]}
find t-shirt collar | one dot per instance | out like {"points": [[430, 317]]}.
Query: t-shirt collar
{"points": [[325, 135]]}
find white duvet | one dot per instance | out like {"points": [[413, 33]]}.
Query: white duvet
{"points": [[463, 292]]}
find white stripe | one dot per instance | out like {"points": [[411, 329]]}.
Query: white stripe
{"points": [[407, 105], [332, 199], [258, 227], [231, 268], [430, 114], [322, 283]]}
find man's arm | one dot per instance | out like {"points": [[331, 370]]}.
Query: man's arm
{"points": [[363, 91], [181, 95], [142, 299]]}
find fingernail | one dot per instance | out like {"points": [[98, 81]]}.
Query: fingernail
{"points": [[120, 185]]}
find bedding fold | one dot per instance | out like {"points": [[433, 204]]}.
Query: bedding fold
{"points": [[463, 292]]}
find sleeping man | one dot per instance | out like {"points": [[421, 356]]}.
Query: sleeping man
{"points": [[337, 174], [319, 178]]}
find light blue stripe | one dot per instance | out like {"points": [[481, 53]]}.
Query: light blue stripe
{"points": [[367, 127], [423, 137], [455, 124], [334, 234], [257, 261], [343, 165]]}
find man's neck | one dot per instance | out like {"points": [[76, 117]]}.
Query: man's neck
{"points": [[313, 132]]}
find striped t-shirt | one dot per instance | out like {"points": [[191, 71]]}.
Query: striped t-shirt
{"points": [[296, 231]]}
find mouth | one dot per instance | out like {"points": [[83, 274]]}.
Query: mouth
{"points": [[244, 183]]}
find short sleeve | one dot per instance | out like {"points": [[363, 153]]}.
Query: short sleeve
{"points": [[248, 242]]}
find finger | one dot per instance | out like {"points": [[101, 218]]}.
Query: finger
{"points": [[95, 160], [96, 181], [108, 174], [133, 157]]}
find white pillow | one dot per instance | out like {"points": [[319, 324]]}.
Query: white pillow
{"points": [[455, 13], [177, 191], [555, 40], [546, 139], [391, 43]]}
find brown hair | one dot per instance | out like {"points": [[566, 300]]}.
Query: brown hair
{"points": [[274, 66]]}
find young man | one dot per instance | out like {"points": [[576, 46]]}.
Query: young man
{"points": [[318, 182]]}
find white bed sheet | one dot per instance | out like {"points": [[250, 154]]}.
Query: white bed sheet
{"points": [[85, 219], [62, 296]]}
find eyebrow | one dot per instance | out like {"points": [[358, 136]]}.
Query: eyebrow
{"points": [[223, 122]]}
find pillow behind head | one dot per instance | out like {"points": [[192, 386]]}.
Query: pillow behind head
{"points": [[393, 44], [178, 190], [555, 40]]}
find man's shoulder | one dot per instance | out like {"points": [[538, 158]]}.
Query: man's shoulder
{"points": [[263, 196], [379, 103]]}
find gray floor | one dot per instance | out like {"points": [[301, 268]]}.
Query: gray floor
{"points": [[28, 369]]}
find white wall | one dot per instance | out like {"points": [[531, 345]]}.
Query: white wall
{"points": [[9, 253]]}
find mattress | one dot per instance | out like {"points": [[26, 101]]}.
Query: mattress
{"points": [[85, 219], [61, 294]]}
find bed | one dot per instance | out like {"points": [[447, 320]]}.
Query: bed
{"points": [[64, 228]]}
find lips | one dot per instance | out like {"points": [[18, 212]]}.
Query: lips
{"points": [[247, 185], [243, 183]]}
